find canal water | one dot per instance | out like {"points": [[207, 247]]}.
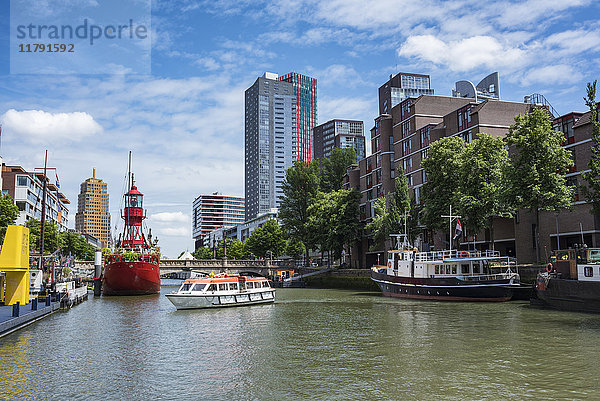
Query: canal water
{"points": [[310, 344]]}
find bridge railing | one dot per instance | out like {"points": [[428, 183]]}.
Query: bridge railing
{"points": [[213, 263]]}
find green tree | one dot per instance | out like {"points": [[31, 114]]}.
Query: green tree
{"points": [[76, 245], [334, 220], [299, 190], [293, 248], [592, 190], [266, 240], [236, 250], [334, 168], [203, 253], [538, 161], [482, 183], [443, 167], [50, 236], [8, 214]]}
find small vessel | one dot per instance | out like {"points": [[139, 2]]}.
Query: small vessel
{"points": [[134, 268], [213, 291], [453, 275], [571, 281]]}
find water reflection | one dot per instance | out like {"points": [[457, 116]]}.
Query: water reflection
{"points": [[309, 344]]}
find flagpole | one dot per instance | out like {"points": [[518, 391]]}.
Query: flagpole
{"points": [[451, 219]]}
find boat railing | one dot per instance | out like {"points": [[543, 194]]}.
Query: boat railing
{"points": [[451, 254], [486, 277]]}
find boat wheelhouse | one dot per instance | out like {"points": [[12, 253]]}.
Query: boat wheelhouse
{"points": [[571, 282], [447, 275], [210, 291]]}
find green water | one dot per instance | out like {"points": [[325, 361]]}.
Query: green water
{"points": [[310, 344]]}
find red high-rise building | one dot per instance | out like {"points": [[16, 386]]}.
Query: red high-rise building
{"points": [[305, 90]]}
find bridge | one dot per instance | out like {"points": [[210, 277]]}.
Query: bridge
{"points": [[180, 269]]}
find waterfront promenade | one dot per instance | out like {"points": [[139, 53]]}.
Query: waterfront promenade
{"points": [[28, 314]]}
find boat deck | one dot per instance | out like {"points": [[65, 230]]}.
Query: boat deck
{"points": [[8, 323]]}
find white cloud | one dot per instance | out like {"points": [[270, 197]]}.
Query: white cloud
{"points": [[42, 127], [551, 74], [170, 217], [174, 232], [464, 54]]}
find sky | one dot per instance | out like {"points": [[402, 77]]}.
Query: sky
{"points": [[176, 99]]}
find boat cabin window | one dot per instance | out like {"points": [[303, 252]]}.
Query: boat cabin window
{"points": [[588, 271], [199, 287], [464, 268], [249, 284], [223, 287], [186, 287], [212, 287], [594, 257], [265, 284], [453, 269], [476, 269], [233, 286], [437, 269]]}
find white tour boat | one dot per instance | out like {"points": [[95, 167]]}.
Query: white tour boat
{"points": [[220, 290]]}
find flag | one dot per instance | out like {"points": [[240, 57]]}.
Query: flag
{"points": [[57, 183], [458, 231]]}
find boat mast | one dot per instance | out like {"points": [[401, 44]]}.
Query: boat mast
{"points": [[451, 219]]}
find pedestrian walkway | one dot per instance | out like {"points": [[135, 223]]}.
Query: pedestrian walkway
{"points": [[10, 323]]}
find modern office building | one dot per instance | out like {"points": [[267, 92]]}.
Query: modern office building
{"points": [[210, 212], [402, 86], [488, 88], [280, 113], [26, 189], [305, 90], [339, 134], [93, 216]]}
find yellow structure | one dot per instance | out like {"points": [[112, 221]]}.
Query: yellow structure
{"points": [[14, 261]]}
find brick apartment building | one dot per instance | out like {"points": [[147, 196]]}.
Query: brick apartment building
{"points": [[403, 137]]}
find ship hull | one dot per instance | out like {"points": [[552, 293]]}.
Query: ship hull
{"points": [[567, 295], [181, 301], [449, 289], [131, 278]]}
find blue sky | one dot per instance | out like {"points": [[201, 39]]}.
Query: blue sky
{"points": [[184, 121]]}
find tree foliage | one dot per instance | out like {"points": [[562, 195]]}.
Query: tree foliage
{"points": [[334, 220], [334, 168], [294, 248], [74, 244], [535, 178], [203, 253], [266, 240], [50, 236], [300, 189], [592, 190], [443, 167], [481, 187], [8, 213]]}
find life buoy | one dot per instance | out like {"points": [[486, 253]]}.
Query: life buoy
{"points": [[463, 254], [390, 264], [549, 267]]}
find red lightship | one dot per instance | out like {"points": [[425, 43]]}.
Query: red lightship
{"points": [[134, 270]]}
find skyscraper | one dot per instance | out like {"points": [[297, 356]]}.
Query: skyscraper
{"points": [[305, 90], [402, 86], [339, 134], [92, 215], [210, 212], [271, 144]]}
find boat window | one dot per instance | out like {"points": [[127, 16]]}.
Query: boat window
{"points": [[594, 257], [233, 286], [464, 268], [588, 271], [199, 287], [453, 269], [265, 284], [212, 287], [222, 287], [186, 287], [437, 269], [476, 268], [250, 285]]}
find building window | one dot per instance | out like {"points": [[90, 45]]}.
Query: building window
{"points": [[405, 129], [425, 138]]}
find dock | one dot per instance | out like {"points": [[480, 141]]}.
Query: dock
{"points": [[27, 314]]}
